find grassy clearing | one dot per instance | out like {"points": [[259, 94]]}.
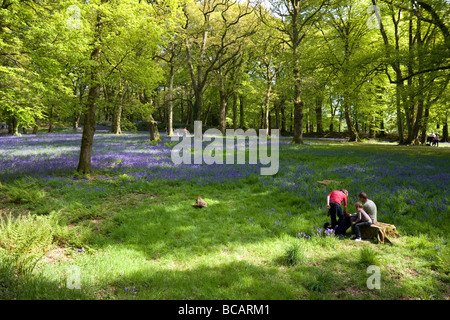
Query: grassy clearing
{"points": [[123, 232]]}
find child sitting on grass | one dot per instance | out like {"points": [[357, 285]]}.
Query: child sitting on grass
{"points": [[362, 219]]}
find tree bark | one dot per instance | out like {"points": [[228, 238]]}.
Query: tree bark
{"points": [[354, 137], [398, 94], [87, 139], [14, 126], [9, 124], [208, 112], [117, 110], [382, 129], [332, 115], [153, 128], [235, 111], [170, 103], [76, 121], [242, 111], [223, 104], [424, 125], [318, 110], [267, 108], [115, 129], [414, 118], [396, 66], [298, 103], [372, 132], [283, 119], [445, 131], [50, 119]]}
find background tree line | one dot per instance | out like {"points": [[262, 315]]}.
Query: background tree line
{"points": [[364, 68]]}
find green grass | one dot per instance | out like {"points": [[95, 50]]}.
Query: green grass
{"points": [[147, 235]]}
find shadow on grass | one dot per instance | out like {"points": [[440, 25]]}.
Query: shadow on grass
{"points": [[169, 225], [35, 287], [235, 280]]}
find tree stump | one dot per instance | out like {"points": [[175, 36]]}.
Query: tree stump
{"points": [[200, 203], [381, 231]]}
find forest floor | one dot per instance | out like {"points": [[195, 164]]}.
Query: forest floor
{"points": [[129, 231]]}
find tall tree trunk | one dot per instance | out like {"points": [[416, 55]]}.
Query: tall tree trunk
{"points": [[382, 129], [269, 127], [242, 111], [267, 108], [208, 112], [76, 121], [445, 130], [50, 120], [421, 100], [198, 81], [164, 117], [292, 122], [261, 118], [277, 108], [153, 128], [189, 113], [170, 111], [87, 139], [117, 118], [14, 126], [332, 115], [283, 119], [409, 102], [198, 105], [182, 116], [117, 110], [307, 122], [318, 110], [372, 131], [398, 97], [354, 137], [9, 126], [424, 125], [298, 103], [396, 66], [223, 104], [235, 115]]}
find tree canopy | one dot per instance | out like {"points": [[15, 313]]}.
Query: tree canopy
{"points": [[362, 68]]}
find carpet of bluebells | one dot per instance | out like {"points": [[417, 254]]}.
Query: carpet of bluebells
{"points": [[411, 190]]}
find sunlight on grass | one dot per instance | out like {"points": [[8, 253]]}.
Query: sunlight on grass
{"points": [[134, 227]]}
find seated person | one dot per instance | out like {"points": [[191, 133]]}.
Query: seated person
{"points": [[369, 206], [362, 219]]}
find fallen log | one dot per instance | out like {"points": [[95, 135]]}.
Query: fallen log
{"points": [[381, 231]]}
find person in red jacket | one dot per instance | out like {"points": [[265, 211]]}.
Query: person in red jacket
{"points": [[334, 202]]}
